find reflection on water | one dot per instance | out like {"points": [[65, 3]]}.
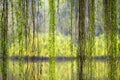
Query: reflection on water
{"points": [[95, 70]]}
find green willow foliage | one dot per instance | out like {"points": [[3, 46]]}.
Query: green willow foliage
{"points": [[13, 29], [4, 39], [27, 40], [33, 21], [26, 23], [52, 40], [110, 9], [91, 28], [91, 36], [26, 31], [71, 40], [20, 32]]}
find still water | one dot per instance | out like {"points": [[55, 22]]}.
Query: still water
{"points": [[64, 70]]}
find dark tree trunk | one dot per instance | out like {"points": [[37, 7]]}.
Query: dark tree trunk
{"points": [[81, 38]]}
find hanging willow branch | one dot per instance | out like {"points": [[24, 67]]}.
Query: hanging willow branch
{"points": [[71, 40], [33, 21], [91, 27], [13, 33], [71, 27], [113, 75], [110, 11], [26, 34], [91, 37], [20, 21], [107, 22], [52, 40], [26, 23], [4, 43]]}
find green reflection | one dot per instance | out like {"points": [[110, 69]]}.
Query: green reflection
{"points": [[33, 70]]}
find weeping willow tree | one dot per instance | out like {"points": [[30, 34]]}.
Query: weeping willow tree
{"points": [[26, 5], [52, 40], [33, 21], [91, 28], [33, 35], [4, 39], [71, 40], [13, 31], [81, 39], [26, 31], [91, 36], [20, 21], [39, 66], [110, 11]]}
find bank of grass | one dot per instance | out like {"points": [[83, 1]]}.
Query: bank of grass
{"points": [[62, 46], [100, 46]]}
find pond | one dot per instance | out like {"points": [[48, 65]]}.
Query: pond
{"points": [[64, 70]]}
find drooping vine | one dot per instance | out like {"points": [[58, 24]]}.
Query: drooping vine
{"points": [[33, 23], [110, 11], [4, 39], [26, 34], [71, 39], [13, 32], [52, 40], [91, 35], [20, 32]]}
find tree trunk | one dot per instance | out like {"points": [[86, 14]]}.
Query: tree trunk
{"points": [[81, 38]]}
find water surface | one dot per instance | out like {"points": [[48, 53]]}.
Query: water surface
{"points": [[64, 70]]}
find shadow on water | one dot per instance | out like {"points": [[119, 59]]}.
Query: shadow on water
{"points": [[38, 69]]}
